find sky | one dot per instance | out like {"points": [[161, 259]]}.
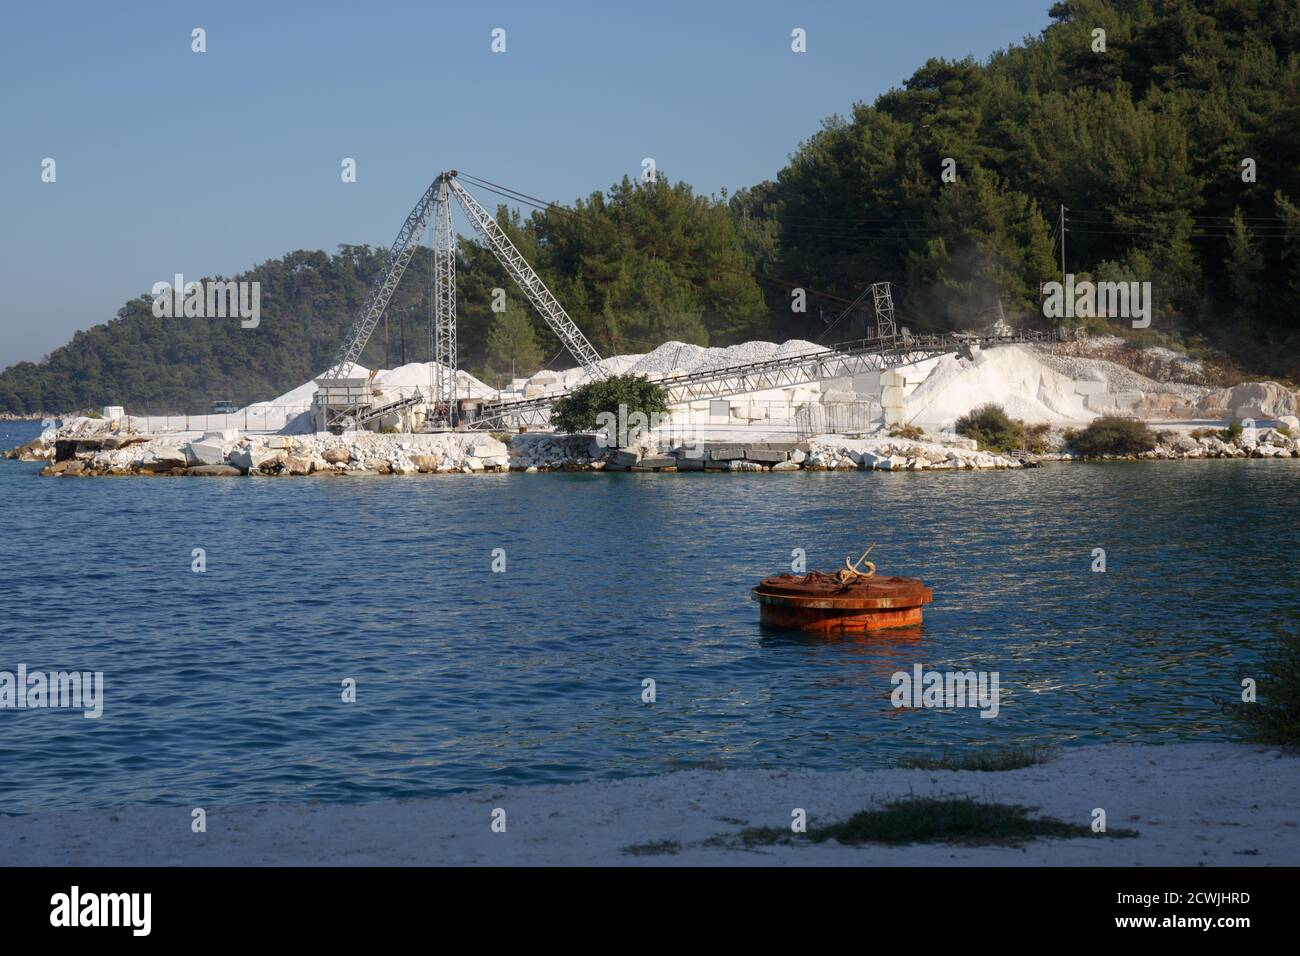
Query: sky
{"points": [[170, 161]]}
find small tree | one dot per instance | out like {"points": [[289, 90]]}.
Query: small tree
{"points": [[1113, 435], [992, 428], [577, 411], [512, 345]]}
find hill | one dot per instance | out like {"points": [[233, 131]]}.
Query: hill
{"points": [[1156, 140]]}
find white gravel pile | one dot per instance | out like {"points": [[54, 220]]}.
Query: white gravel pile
{"points": [[677, 358], [1116, 376]]}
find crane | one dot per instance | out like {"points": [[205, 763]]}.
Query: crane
{"points": [[342, 400]]}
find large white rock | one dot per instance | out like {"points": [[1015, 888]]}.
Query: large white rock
{"points": [[205, 453], [248, 457]]}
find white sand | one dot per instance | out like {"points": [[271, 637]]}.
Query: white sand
{"points": [[1214, 804]]}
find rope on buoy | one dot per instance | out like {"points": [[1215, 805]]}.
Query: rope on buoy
{"points": [[848, 574]]}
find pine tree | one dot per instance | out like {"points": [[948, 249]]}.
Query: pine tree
{"points": [[512, 345]]}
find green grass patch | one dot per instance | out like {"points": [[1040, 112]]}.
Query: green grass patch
{"points": [[656, 848], [959, 821], [987, 759]]}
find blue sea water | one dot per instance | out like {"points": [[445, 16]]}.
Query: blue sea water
{"points": [[224, 687]]}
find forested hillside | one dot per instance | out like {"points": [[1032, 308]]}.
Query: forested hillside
{"points": [[1143, 142]]}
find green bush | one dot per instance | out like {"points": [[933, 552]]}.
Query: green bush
{"points": [[992, 428], [1113, 435], [1036, 437], [1274, 718], [1232, 432], [577, 411]]}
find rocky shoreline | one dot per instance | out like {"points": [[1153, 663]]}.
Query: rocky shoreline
{"points": [[85, 448]]}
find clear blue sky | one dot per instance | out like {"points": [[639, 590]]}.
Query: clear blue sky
{"points": [[171, 161]]}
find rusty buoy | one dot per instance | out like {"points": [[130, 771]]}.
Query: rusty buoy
{"points": [[847, 601]]}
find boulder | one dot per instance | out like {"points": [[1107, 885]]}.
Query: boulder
{"points": [[1259, 400], [205, 453], [213, 471], [165, 457], [727, 452], [624, 457], [657, 461], [423, 463], [486, 447], [300, 465], [255, 458], [337, 455], [786, 466]]}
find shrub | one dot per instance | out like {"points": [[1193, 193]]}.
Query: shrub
{"points": [[1037, 437], [992, 428], [908, 431], [1274, 718], [1113, 435], [577, 411], [957, 820], [1232, 432]]}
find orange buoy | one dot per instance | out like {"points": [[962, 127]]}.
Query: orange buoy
{"points": [[840, 603]]}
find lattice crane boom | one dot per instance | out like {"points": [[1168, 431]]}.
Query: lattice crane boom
{"points": [[399, 256], [529, 282]]}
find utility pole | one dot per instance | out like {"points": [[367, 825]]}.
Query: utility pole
{"points": [[1062, 225]]}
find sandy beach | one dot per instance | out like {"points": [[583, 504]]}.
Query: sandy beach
{"points": [[1192, 804]]}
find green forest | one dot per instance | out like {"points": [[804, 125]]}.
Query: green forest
{"points": [[1167, 144]]}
